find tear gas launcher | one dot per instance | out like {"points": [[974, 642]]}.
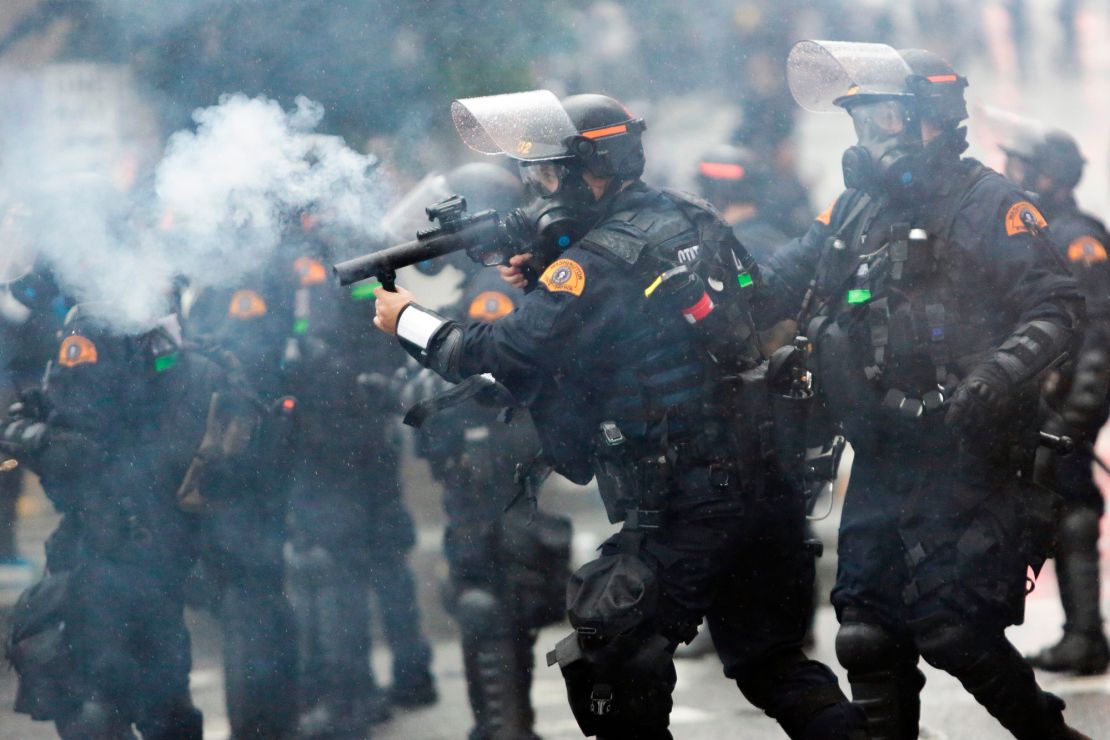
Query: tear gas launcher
{"points": [[487, 237]]}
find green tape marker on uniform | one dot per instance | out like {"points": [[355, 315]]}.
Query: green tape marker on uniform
{"points": [[363, 291], [858, 296], [165, 362], [300, 326], [744, 279]]}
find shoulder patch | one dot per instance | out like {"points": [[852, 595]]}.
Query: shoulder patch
{"points": [[825, 216], [564, 276], [490, 305], [310, 271], [77, 350], [1086, 249], [246, 304], [1017, 216]]}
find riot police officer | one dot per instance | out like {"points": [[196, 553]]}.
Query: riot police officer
{"points": [[1050, 164], [508, 562], [242, 535], [351, 533], [32, 309], [101, 643], [733, 180], [619, 350], [934, 302]]}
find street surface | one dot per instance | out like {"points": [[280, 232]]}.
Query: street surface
{"points": [[706, 704]]}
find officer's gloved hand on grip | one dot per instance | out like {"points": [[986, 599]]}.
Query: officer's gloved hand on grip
{"points": [[20, 437], [518, 273], [981, 400]]}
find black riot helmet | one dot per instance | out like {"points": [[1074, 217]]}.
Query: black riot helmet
{"points": [[729, 174], [888, 94], [555, 142], [1035, 153], [608, 143], [1058, 158], [937, 89]]}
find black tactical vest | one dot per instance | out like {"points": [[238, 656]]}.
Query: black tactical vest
{"points": [[890, 336], [690, 328]]}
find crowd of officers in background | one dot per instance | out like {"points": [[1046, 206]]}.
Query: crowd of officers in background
{"points": [[244, 455]]}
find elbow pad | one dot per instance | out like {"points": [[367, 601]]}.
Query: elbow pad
{"points": [[1032, 349], [432, 340]]}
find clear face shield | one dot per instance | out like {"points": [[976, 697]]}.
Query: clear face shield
{"points": [[534, 129], [528, 126], [1018, 137], [870, 82], [824, 75]]}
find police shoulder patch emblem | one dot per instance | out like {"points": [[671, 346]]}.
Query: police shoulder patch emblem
{"points": [[1087, 249], [310, 271], [246, 304], [564, 276], [825, 216], [77, 350], [1020, 215], [490, 306]]}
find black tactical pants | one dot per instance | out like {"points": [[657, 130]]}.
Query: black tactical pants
{"points": [[242, 547], [354, 533], [131, 652], [741, 561], [933, 555]]}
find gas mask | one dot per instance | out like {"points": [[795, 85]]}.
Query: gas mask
{"points": [[562, 211], [158, 349], [889, 157]]}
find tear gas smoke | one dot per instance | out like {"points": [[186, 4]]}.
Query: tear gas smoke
{"points": [[227, 191], [217, 207]]}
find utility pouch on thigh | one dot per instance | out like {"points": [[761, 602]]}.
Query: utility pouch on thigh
{"points": [[37, 648], [611, 596]]}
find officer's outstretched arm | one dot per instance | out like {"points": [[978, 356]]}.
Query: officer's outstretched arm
{"points": [[1020, 266], [789, 274], [1038, 288], [565, 311]]}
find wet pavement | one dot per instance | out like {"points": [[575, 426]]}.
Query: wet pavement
{"points": [[706, 704]]}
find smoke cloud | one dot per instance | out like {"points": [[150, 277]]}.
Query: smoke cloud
{"points": [[216, 207]]}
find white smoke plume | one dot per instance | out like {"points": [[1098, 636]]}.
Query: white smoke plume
{"points": [[219, 205], [230, 187]]}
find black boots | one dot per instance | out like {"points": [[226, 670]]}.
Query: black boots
{"points": [[1083, 649]]}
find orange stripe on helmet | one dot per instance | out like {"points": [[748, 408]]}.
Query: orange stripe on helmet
{"points": [[597, 133], [941, 78], [722, 170]]}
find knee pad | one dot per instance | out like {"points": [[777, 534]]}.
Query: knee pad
{"points": [[952, 648], [802, 695], [313, 565], [1079, 525], [479, 612], [865, 648]]}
